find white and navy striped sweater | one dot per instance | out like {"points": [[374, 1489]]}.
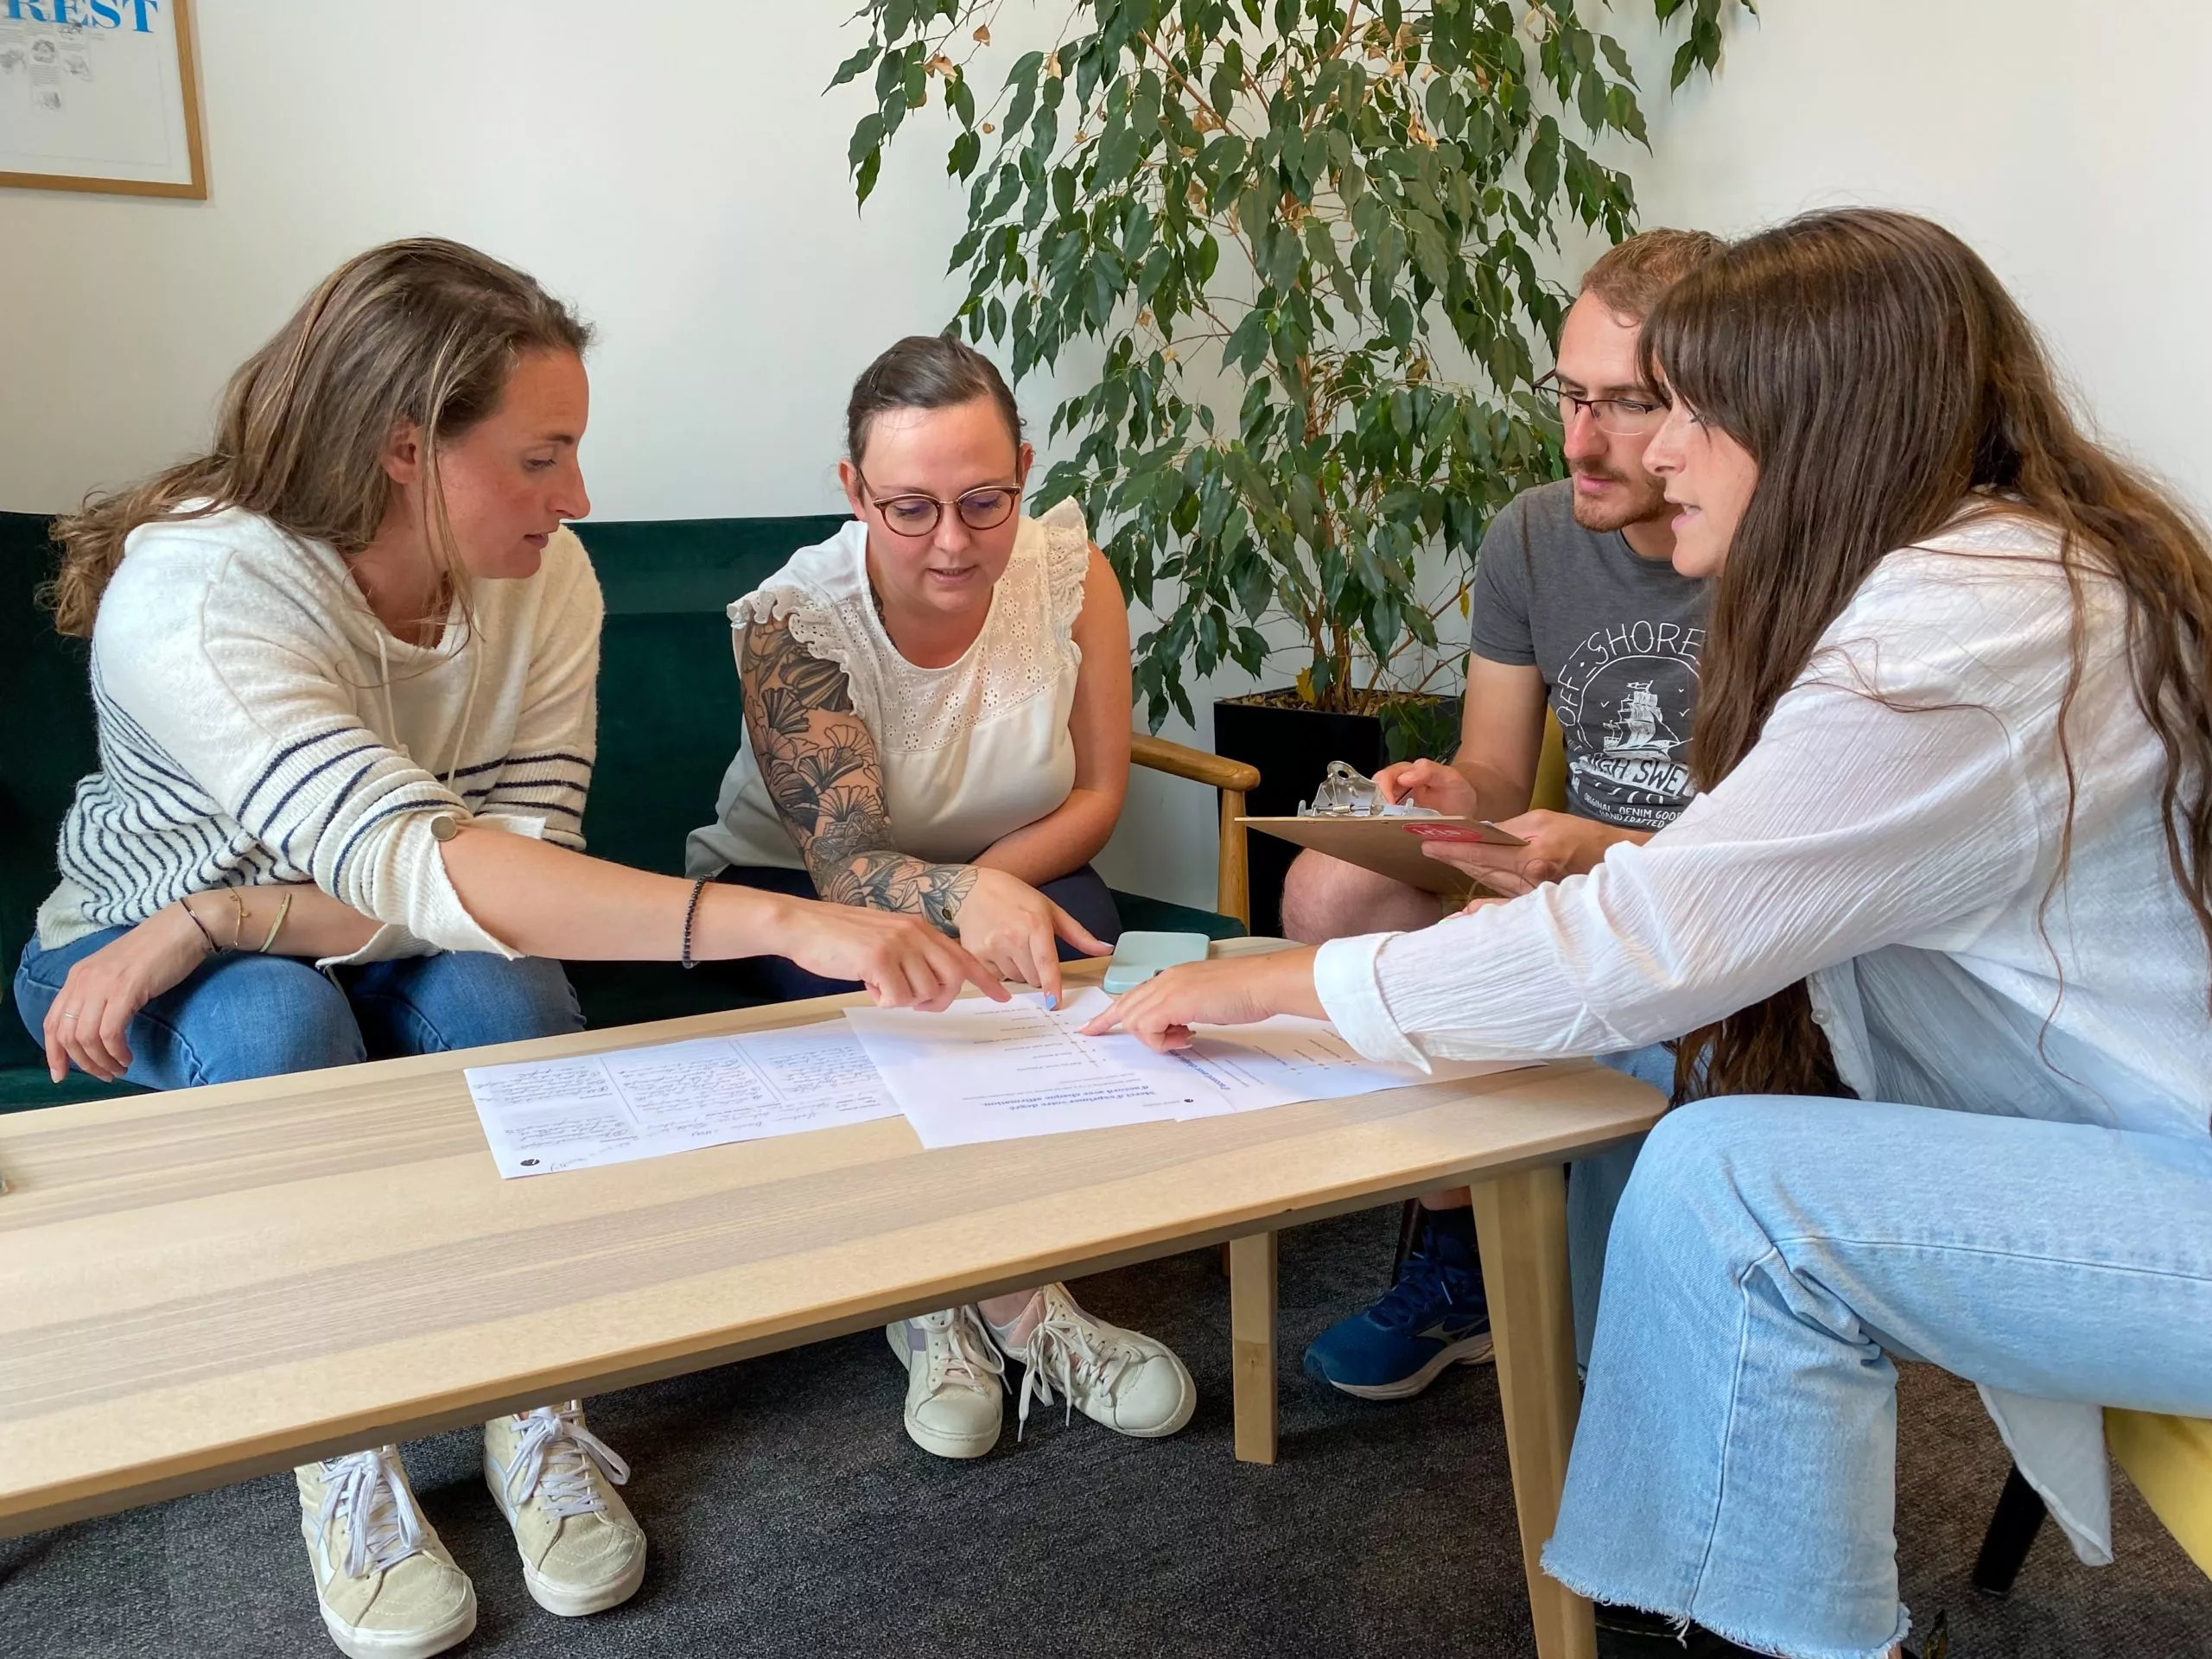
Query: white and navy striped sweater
{"points": [[258, 726]]}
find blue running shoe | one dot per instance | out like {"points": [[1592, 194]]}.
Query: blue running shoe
{"points": [[1433, 1316]]}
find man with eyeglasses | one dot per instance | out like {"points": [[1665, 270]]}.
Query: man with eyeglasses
{"points": [[1576, 607]]}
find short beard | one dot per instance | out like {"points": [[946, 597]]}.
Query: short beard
{"points": [[1646, 505]]}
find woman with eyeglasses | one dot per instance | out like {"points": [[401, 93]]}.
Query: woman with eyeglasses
{"points": [[937, 722]]}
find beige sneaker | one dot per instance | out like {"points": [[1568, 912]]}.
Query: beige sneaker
{"points": [[387, 1587], [555, 1481]]}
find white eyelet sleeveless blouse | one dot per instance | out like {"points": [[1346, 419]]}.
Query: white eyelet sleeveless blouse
{"points": [[971, 752]]}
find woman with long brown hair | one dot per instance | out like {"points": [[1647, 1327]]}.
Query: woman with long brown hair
{"points": [[1939, 924], [345, 668]]}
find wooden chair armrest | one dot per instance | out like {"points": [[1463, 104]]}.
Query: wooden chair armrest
{"points": [[1181, 760], [1233, 881]]}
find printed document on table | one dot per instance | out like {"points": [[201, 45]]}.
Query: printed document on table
{"points": [[1288, 1058], [541, 1116], [985, 1071]]}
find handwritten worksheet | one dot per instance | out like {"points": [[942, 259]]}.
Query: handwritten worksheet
{"points": [[541, 1116], [985, 1071]]}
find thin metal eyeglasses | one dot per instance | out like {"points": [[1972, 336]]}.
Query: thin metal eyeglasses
{"points": [[1622, 417], [916, 514]]}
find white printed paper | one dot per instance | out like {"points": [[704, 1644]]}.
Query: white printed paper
{"points": [[541, 1116], [985, 1071]]}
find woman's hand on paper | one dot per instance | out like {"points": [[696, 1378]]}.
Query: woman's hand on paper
{"points": [[1015, 929], [1430, 784], [903, 961], [90, 1020], [1233, 991]]}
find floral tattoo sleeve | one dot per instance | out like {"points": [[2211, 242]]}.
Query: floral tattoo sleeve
{"points": [[820, 764]]}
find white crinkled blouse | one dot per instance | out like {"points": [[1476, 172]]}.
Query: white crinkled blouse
{"points": [[1893, 838], [971, 752]]}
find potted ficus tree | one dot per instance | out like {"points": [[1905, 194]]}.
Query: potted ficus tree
{"points": [[1307, 235]]}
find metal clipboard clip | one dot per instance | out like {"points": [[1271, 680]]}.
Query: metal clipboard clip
{"points": [[1344, 793]]}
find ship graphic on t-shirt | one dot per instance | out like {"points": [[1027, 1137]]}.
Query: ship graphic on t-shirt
{"points": [[1638, 730], [1626, 699], [1636, 765]]}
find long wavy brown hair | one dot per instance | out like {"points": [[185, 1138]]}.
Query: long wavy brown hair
{"points": [[1886, 384], [423, 332]]}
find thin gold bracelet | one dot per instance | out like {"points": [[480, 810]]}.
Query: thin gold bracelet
{"points": [[276, 926], [238, 929], [213, 949]]}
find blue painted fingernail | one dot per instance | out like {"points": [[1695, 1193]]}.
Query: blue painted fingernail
{"points": [[1052, 1002]]}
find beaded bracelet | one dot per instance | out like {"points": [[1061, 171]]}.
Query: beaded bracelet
{"points": [[690, 915]]}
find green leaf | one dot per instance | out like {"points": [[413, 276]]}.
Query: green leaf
{"points": [[859, 60], [1101, 289], [1023, 79], [1541, 168], [1618, 58], [867, 135], [1590, 103]]}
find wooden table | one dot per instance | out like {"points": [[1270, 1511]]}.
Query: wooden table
{"points": [[202, 1286]]}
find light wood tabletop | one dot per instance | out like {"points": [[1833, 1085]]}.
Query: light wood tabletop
{"points": [[213, 1284]]}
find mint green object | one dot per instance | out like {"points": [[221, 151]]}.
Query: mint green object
{"points": [[1139, 956]]}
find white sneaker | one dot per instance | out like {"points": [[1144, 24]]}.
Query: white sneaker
{"points": [[387, 1588], [555, 1480], [954, 1389], [1129, 1383]]}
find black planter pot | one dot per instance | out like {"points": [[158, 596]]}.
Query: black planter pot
{"points": [[1292, 747]]}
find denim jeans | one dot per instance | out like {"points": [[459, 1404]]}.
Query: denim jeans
{"points": [[1594, 1185], [241, 1015], [1736, 1460]]}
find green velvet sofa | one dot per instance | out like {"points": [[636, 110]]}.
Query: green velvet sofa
{"points": [[668, 718]]}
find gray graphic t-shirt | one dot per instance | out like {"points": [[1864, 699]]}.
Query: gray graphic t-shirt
{"points": [[1616, 636]]}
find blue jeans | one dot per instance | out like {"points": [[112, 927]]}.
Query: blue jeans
{"points": [[242, 1015], [1594, 1185], [1736, 1460]]}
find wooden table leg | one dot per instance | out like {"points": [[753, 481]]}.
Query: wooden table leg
{"points": [[1521, 1225], [1252, 1340]]}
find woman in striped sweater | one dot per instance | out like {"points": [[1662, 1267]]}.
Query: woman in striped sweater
{"points": [[344, 667]]}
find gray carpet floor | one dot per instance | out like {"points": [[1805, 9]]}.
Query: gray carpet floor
{"points": [[788, 1515]]}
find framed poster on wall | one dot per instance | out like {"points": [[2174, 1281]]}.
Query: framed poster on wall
{"points": [[99, 95]]}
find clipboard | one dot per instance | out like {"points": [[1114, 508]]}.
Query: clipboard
{"points": [[1389, 846]]}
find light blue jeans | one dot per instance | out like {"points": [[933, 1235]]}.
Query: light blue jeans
{"points": [[241, 1015], [1736, 1460]]}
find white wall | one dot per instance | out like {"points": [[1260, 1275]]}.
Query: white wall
{"points": [[674, 170], [2065, 139]]}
